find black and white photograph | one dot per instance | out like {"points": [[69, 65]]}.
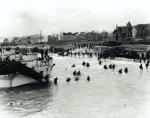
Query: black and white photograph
{"points": [[74, 59]]}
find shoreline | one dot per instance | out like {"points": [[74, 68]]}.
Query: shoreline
{"points": [[120, 59]]}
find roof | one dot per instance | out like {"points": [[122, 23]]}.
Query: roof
{"points": [[123, 29], [129, 25]]}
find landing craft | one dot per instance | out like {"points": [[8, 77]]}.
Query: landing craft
{"points": [[20, 69]]}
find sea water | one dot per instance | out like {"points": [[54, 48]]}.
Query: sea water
{"points": [[108, 94]]}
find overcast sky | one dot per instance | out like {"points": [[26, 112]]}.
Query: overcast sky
{"points": [[25, 17]]}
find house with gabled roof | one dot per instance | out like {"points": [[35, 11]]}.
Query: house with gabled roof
{"points": [[123, 33]]}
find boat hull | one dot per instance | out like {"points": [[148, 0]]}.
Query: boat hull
{"points": [[14, 80], [7, 81]]}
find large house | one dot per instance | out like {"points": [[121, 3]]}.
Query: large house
{"points": [[141, 31], [129, 32], [123, 33]]}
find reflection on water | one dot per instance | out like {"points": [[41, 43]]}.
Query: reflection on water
{"points": [[108, 94]]}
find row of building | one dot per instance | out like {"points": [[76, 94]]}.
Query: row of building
{"points": [[93, 35], [31, 39], [121, 33]]}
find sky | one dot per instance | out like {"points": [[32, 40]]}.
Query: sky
{"points": [[26, 17]]}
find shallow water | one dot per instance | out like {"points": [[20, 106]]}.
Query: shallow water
{"points": [[108, 94]]}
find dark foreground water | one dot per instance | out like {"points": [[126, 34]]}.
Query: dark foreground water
{"points": [[108, 94]]}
